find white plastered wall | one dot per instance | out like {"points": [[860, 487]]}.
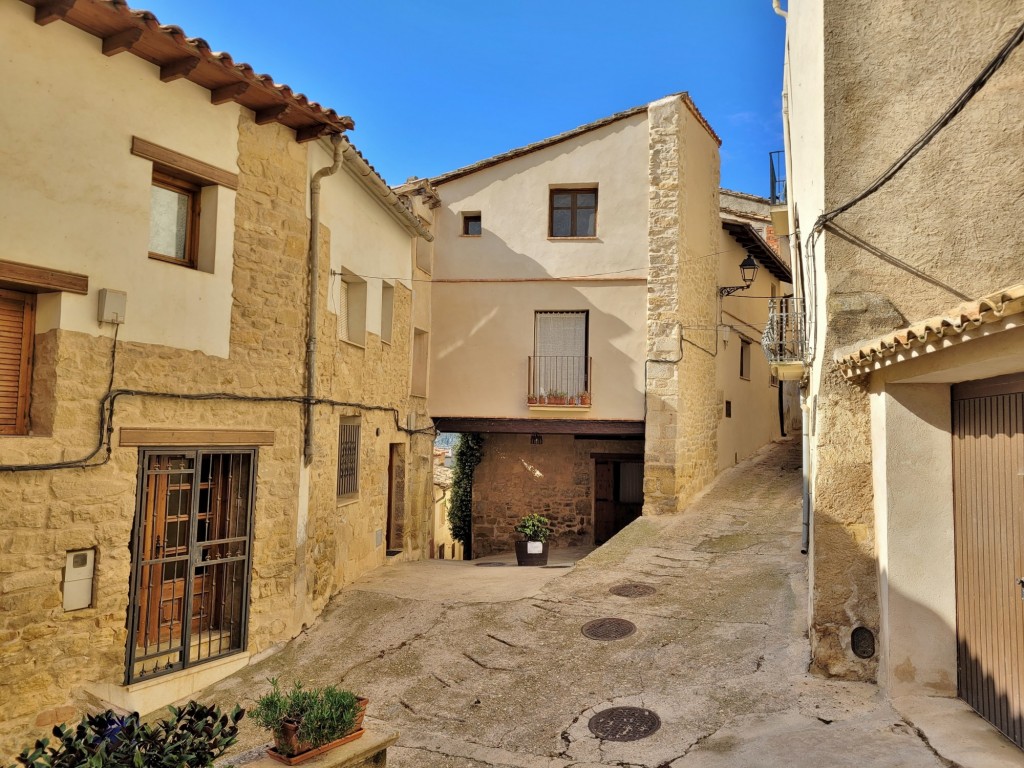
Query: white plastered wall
{"points": [[483, 328], [366, 239], [67, 146], [913, 503]]}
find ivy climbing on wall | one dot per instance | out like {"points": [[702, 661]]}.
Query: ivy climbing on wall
{"points": [[467, 454]]}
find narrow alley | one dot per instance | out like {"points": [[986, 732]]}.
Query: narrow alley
{"points": [[488, 666]]}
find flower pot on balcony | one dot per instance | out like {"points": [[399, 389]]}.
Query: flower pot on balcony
{"points": [[584, 399]]}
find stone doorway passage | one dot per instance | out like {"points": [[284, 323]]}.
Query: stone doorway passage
{"points": [[618, 493]]}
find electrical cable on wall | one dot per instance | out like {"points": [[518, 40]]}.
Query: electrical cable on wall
{"points": [[933, 130]]}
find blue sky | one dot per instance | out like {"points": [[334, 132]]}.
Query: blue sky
{"points": [[435, 86]]}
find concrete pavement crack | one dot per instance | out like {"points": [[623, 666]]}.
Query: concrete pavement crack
{"points": [[503, 642], [946, 762], [487, 666], [395, 648]]}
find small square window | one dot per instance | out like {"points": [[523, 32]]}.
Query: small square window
{"points": [[472, 225], [573, 213], [174, 219]]}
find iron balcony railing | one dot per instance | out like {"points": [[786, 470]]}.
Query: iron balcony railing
{"points": [[784, 339], [777, 177], [562, 380]]}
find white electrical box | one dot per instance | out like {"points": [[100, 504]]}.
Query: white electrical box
{"points": [[78, 575], [112, 306]]}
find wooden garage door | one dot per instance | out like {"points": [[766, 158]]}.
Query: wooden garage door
{"points": [[988, 479]]}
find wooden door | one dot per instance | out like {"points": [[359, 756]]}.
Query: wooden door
{"points": [[168, 517], [604, 501], [988, 478]]}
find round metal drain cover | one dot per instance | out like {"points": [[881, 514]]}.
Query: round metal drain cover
{"points": [[608, 629], [624, 724], [489, 565], [632, 590]]}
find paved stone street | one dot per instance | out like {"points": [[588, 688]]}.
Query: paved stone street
{"points": [[479, 666]]}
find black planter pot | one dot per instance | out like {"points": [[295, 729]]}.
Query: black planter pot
{"points": [[523, 557]]}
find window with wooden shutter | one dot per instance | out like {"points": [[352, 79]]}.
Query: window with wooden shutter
{"points": [[17, 331]]}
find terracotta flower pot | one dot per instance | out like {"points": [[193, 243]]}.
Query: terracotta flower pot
{"points": [[288, 749]]}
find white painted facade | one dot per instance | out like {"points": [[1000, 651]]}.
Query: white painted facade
{"points": [[65, 218]]}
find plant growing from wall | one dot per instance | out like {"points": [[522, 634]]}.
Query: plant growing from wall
{"points": [[467, 454]]}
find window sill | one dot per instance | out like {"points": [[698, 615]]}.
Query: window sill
{"points": [[471, 236], [355, 344], [573, 239], [171, 260], [564, 407], [344, 501], [744, 378]]}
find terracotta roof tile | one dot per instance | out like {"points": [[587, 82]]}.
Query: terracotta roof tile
{"points": [[862, 358], [571, 134], [126, 29]]}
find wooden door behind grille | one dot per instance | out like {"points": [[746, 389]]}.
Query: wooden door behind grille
{"points": [[988, 481]]}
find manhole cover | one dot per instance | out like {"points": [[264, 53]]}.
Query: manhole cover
{"points": [[608, 629], [489, 565], [624, 724], [632, 590]]}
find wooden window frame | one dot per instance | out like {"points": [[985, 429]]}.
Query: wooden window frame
{"points": [[21, 417], [745, 359], [193, 192], [573, 208], [468, 218], [348, 491]]}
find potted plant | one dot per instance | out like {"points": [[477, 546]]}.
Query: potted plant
{"points": [[308, 722], [533, 549], [584, 399], [557, 397]]}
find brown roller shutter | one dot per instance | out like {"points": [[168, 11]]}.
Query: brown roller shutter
{"points": [[16, 335]]}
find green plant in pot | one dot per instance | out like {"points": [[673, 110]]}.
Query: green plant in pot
{"points": [[533, 549], [307, 722]]}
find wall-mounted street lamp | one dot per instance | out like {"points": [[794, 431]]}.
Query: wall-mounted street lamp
{"points": [[748, 271]]}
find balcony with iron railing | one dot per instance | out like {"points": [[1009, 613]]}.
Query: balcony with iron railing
{"points": [[559, 381], [784, 340]]}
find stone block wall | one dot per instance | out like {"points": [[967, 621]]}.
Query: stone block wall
{"points": [[302, 552], [682, 396], [554, 479]]}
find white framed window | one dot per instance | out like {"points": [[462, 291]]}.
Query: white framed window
{"points": [[351, 308], [744, 359]]}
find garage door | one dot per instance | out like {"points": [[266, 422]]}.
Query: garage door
{"points": [[988, 479]]}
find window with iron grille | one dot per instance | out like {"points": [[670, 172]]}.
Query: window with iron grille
{"points": [[191, 559], [348, 457]]}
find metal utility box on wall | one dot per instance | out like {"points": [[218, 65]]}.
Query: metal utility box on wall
{"points": [[112, 306], [78, 575]]}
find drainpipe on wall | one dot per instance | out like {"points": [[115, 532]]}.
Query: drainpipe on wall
{"points": [[805, 451], [314, 290], [778, 9]]}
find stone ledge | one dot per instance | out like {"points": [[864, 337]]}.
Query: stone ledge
{"points": [[369, 749]]}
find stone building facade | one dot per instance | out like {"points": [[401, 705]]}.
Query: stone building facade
{"points": [[206, 365], [940, 240], [660, 373]]}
